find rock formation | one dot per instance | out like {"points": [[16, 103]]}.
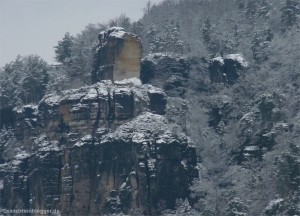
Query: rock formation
{"points": [[228, 69], [96, 150], [167, 72], [118, 56]]}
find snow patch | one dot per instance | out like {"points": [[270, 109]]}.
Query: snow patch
{"points": [[74, 97], [154, 90], [273, 203], [139, 138], [53, 100], [22, 156], [91, 95], [115, 28], [86, 140], [239, 58], [220, 60], [79, 107], [134, 81], [18, 110], [118, 34], [251, 148]]}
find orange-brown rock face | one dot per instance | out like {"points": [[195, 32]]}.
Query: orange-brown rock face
{"points": [[118, 56], [99, 150]]}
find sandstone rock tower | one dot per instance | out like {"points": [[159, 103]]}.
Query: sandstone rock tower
{"points": [[118, 56]]}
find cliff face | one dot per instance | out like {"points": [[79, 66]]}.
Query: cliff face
{"points": [[166, 71], [227, 69], [96, 150], [118, 56]]}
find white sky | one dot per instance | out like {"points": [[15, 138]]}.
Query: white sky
{"points": [[35, 26]]}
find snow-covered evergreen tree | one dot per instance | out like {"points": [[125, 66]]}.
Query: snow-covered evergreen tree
{"points": [[173, 39], [82, 51], [63, 50], [25, 79], [289, 14], [251, 9], [137, 28]]}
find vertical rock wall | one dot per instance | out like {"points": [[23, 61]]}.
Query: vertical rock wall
{"points": [[100, 149], [117, 57]]}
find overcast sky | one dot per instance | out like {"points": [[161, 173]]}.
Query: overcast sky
{"points": [[35, 26]]}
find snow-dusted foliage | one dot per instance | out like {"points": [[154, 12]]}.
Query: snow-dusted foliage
{"points": [[24, 80]]}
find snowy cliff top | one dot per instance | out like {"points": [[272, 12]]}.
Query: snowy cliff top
{"points": [[100, 90], [219, 60], [235, 57], [147, 127], [119, 33], [239, 58], [156, 57]]}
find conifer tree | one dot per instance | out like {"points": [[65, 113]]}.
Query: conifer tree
{"points": [[251, 9], [289, 14], [63, 50]]}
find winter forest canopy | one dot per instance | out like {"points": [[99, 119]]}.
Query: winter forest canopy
{"points": [[188, 27]]}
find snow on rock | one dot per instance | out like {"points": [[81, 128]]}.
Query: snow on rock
{"points": [[52, 146], [117, 34], [274, 206], [142, 129], [251, 149], [44, 145], [166, 138], [130, 81], [239, 58], [115, 28], [21, 156], [79, 107], [125, 91], [155, 57], [91, 95], [219, 60], [30, 107], [52, 100], [18, 109], [227, 69], [86, 140], [74, 97], [139, 138], [154, 90]]}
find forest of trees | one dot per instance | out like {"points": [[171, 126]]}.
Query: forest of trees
{"points": [[189, 27]]}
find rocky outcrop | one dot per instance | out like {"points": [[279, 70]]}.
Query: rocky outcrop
{"points": [[118, 56], [227, 69], [167, 72], [259, 127], [100, 149]]}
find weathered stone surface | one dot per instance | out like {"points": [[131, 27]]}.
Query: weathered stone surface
{"points": [[259, 127], [117, 57], [100, 149], [167, 72], [227, 69]]}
